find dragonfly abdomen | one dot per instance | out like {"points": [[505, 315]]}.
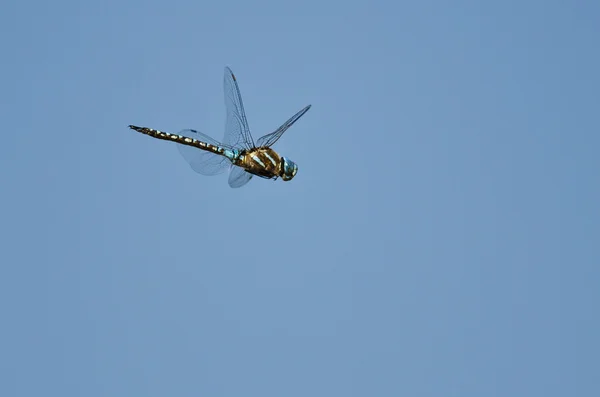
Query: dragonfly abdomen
{"points": [[184, 140]]}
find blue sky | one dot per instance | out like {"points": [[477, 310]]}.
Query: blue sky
{"points": [[440, 238]]}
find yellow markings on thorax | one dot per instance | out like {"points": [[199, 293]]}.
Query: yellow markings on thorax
{"points": [[257, 159], [270, 158]]}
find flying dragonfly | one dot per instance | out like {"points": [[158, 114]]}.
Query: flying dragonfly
{"points": [[237, 152]]}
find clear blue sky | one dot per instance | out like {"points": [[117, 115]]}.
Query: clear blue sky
{"points": [[441, 237]]}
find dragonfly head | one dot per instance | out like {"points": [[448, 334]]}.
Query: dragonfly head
{"points": [[288, 169]]}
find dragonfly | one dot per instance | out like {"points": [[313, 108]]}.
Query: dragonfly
{"points": [[238, 152]]}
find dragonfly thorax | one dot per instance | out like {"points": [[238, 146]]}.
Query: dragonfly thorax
{"points": [[266, 163]]}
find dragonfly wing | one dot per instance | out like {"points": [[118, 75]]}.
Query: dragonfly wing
{"points": [[201, 161], [239, 177], [270, 139], [237, 131]]}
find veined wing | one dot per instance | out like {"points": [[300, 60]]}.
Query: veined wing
{"points": [[201, 161], [237, 131], [270, 139], [238, 176]]}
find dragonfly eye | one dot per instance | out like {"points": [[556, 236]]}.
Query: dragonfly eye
{"points": [[288, 169]]}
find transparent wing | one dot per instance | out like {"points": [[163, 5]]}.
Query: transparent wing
{"points": [[238, 177], [270, 139], [237, 132], [201, 161]]}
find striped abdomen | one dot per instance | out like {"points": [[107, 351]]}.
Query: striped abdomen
{"points": [[184, 140]]}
